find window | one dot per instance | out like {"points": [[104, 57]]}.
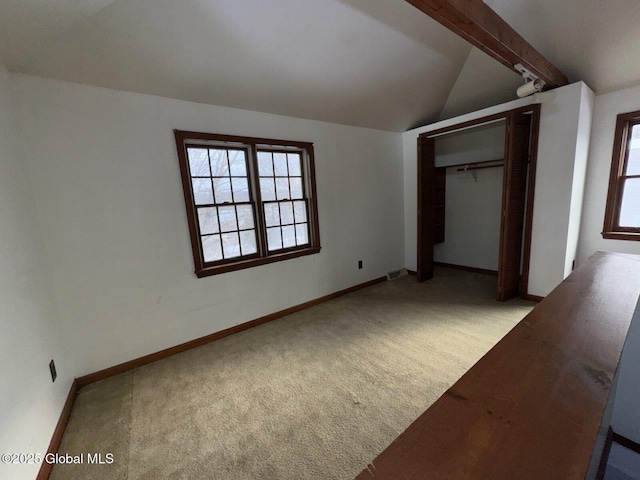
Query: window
{"points": [[622, 215], [250, 201]]}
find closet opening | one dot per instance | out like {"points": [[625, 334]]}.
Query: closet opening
{"points": [[475, 198]]}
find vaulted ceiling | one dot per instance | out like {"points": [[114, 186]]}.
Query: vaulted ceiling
{"points": [[373, 63]]}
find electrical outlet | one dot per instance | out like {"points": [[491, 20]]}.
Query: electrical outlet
{"points": [[359, 264], [52, 369]]}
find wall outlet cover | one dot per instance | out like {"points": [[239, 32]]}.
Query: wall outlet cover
{"points": [[52, 369]]}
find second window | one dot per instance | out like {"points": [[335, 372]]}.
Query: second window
{"points": [[249, 201]]}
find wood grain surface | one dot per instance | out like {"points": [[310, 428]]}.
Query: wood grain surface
{"points": [[532, 407]]}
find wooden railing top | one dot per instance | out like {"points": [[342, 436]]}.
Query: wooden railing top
{"points": [[532, 407]]}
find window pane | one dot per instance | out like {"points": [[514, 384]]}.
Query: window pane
{"points": [[198, 162], [294, 164], [630, 207], [265, 164], [248, 242], [240, 190], [237, 163], [245, 217], [280, 164], [219, 165], [271, 214], [211, 248], [633, 160], [288, 236], [227, 217], [296, 187], [250, 199], [282, 188], [267, 189], [274, 240], [222, 188], [286, 213], [231, 245], [300, 211], [202, 193], [208, 219], [302, 235]]}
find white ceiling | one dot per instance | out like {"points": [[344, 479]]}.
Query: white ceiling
{"points": [[373, 63]]}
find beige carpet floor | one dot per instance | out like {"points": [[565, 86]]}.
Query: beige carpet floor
{"points": [[314, 395]]}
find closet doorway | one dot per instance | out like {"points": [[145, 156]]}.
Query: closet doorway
{"points": [[502, 216]]}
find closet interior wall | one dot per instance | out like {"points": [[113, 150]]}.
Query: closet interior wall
{"points": [[473, 198]]}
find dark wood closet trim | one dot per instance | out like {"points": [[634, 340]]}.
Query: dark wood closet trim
{"points": [[426, 179], [514, 199], [528, 216], [476, 122], [534, 110]]}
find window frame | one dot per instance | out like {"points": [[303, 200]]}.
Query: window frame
{"points": [[612, 229], [186, 139]]}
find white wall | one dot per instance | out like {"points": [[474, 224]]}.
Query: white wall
{"points": [[583, 136], [481, 83], [472, 219], [560, 163], [109, 197], [473, 199], [30, 403], [557, 150], [606, 108]]}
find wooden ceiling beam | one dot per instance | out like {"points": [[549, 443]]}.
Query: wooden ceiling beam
{"points": [[478, 24]]}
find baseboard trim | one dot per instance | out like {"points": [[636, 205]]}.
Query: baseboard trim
{"points": [[466, 269], [198, 342], [533, 298], [54, 445], [626, 442], [412, 272]]}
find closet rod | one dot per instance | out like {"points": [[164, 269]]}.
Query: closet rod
{"points": [[467, 168], [473, 164]]}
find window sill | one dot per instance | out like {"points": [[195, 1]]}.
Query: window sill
{"points": [[254, 262], [621, 236]]}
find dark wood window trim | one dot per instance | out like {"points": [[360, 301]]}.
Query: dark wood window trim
{"points": [[251, 146], [612, 229]]}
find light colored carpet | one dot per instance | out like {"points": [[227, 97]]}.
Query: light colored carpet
{"points": [[314, 395]]}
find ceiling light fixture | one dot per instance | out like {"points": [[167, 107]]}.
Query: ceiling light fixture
{"points": [[532, 85]]}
